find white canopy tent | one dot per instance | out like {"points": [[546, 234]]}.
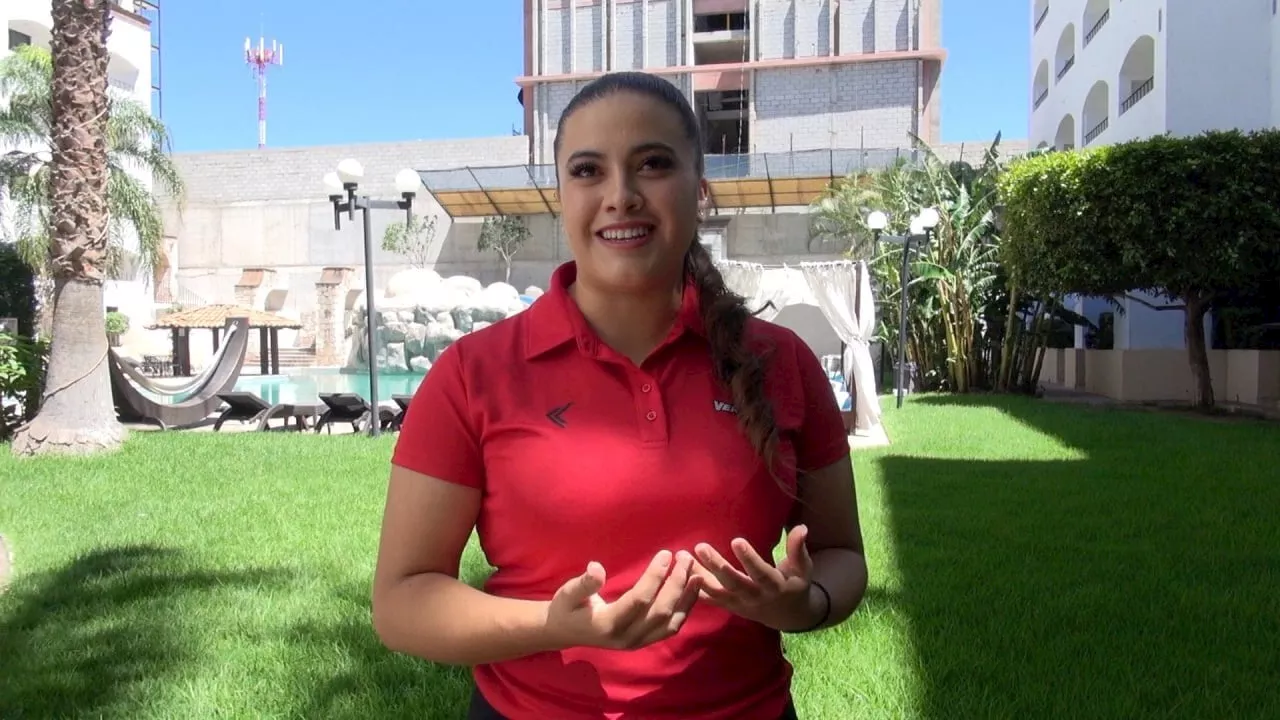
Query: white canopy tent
{"points": [[841, 290]]}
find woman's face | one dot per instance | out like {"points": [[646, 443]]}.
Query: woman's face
{"points": [[630, 192]]}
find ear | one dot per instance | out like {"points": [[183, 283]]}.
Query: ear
{"points": [[704, 198]]}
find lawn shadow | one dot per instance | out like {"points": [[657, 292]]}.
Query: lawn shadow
{"points": [[88, 638], [361, 678], [1136, 579]]}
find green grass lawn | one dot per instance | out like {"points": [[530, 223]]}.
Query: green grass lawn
{"points": [[1028, 560]]}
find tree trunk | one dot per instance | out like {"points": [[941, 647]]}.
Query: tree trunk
{"points": [[77, 415], [507, 265], [1198, 354]]}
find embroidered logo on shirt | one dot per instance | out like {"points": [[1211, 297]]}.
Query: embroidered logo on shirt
{"points": [[725, 407], [556, 414]]}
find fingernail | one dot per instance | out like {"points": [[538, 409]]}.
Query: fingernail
{"points": [[664, 557]]}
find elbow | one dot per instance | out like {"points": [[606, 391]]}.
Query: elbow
{"points": [[385, 621]]}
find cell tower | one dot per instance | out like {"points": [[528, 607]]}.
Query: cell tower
{"points": [[260, 58]]}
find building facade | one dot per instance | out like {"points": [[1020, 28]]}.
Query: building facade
{"points": [[765, 76], [1108, 71], [133, 72]]}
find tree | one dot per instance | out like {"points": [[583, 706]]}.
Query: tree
{"points": [[503, 235], [77, 415], [1192, 219], [412, 239], [133, 139]]}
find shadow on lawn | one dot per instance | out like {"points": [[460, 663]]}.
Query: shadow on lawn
{"points": [[80, 640], [1139, 581], [366, 680]]}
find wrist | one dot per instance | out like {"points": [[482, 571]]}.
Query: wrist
{"points": [[818, 608], [529, 626]]}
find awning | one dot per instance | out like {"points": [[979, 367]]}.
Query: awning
{"points": [[757, 180]]}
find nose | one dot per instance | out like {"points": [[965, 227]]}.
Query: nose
{"points": [[623, 194]]}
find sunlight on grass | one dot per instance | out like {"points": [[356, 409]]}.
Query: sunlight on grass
{"points": [[1027, 559]]}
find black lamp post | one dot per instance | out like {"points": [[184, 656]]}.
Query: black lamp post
{"points": [[344, 184], [921, 232]]}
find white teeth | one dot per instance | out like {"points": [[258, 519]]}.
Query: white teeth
{"points": [[624, 234]]}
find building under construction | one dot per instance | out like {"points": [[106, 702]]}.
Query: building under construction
{"points": [[790, 94]]}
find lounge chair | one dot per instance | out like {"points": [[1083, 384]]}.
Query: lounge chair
{"points": [[403, 402], [349, 407], [247, 407]]}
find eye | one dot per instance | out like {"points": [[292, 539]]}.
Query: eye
{"points": [[657, 162], [582, 168]]}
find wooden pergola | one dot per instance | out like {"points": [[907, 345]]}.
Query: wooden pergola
{"points": [[213, 318]]}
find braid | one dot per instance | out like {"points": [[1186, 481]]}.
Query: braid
{"points": [[725, 315]]}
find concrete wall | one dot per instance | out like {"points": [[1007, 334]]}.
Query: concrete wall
{"points": [[267, 209], [842, 106]]}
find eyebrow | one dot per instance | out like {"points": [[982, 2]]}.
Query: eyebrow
{"points": [[642, 147]]}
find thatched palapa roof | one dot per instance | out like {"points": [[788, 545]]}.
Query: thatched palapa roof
{"points": [[214, 317]]}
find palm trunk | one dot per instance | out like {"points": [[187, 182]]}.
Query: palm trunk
{"points": [[1198, 354], [77, 415]]}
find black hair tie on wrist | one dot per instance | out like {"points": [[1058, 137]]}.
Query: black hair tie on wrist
{"points": [[826, 614]]}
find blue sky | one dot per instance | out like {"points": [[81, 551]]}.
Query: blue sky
{"points": [[382, 70]]}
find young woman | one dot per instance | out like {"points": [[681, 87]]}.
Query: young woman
{"points": [[630, 449]]}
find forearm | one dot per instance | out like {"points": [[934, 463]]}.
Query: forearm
{"points": [[843, 573], [441, 619]]}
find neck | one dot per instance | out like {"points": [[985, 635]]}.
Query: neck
{"points": [[631, 323]]}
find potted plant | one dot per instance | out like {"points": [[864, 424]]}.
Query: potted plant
{"points": [[117, 325]]}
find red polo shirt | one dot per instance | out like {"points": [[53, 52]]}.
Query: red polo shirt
{"points": [[583, 456]]}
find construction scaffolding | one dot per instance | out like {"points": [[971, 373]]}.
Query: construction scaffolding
{"points": [[737, 182]]}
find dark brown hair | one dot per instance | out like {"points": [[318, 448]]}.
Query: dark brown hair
{"points": [[737, 367]]}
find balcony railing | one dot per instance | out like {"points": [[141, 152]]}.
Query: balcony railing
{"points": [[1138, 93], [1040, 20], [1040, 98], [1102, 20], [1071, 61], [1096, 131]]}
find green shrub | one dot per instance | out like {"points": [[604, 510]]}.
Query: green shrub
{"points": [[1191, 219]]}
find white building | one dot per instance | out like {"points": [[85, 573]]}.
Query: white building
{"points": [[131, 45], [1107, 71]]}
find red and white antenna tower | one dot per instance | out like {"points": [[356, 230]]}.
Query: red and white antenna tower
{"points": [[260, 58]]}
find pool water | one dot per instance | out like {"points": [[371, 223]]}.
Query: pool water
{"points": [[305, 388]]}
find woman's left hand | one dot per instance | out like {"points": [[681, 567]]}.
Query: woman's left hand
{"points": [[778, 597]]}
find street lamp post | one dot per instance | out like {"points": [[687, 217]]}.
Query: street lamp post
{"points": [[342, 187], [921, 231]]}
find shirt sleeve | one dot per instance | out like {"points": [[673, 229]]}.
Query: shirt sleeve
{"points": [[439, 437], [822, 438]]}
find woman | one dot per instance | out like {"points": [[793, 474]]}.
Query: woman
{"points": [[630, 449]]}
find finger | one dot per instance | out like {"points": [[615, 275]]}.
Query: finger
{"points": [[708, 578], [731, 578], [680, 612], [798, 558], [669, 597], [761, 571], [585, 585], [634, 604]]}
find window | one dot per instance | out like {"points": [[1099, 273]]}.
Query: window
{"points": [[18, 39], [720, 22]]}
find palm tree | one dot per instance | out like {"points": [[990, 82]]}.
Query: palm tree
{"points": [[77, 415], [136, 141]]}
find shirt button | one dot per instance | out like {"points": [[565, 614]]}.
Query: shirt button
{"points": [[646, 387], [651, 416]]}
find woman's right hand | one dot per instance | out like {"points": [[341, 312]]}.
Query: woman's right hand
{"points": [[652, 610]]}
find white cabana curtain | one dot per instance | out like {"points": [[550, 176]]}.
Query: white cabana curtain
{"points": [[836, 288], [747, 279]]}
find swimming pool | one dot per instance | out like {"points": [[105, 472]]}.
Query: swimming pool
{"points": [[305, 386]]}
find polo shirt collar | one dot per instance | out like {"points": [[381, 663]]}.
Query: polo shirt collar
{"points": [[555, 319]]}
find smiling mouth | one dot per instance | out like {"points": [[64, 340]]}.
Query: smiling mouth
{"points": [[629, 236]]}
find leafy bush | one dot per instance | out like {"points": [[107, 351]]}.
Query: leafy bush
{"points": [[1190, 219], [23, 362], [117, 323]]}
